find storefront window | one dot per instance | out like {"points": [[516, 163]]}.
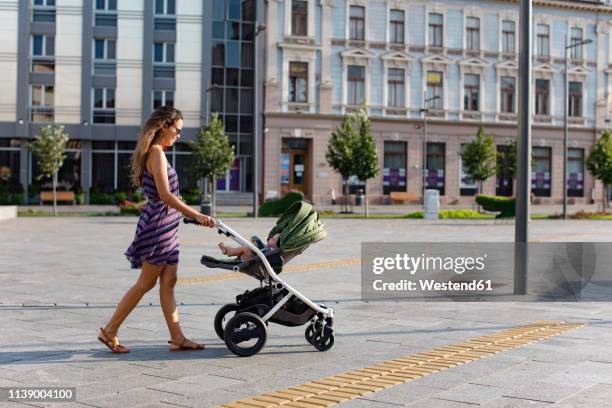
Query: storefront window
{"points": [[9, 166], [575, 172], [540, 171], [436, 153], [394, 171], [467, 186]]}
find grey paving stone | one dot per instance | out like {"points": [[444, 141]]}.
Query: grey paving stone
{"points": [[597, 395], [541, 391], [471, 393], [506, 402]]}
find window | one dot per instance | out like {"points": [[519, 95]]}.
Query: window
{"points": [[106, 13], [434, 90], [165, 7], [43, 11], [163, 58], [540, 171], [575, 99], [472, 33], [163, 98], [356, 84], [576, 38], [508, 36], [9, 165], [299, 18], [395, 88], [436, 159], [298, 82], [435, 30], [471, 92], [394, 171], [543, 40], [43, 51], [105, 49], [507, 91], [542, 97], [357, 23], [104, 105], [396, 26], [41, 102], [575, 172]]}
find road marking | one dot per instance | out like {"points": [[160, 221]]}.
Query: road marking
{"points": [[346, 386], [287, 269]]}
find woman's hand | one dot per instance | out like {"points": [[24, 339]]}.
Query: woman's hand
{"points": [[205, 220]]}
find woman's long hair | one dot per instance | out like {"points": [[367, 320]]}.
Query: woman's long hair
{"points": [[166, 115]]}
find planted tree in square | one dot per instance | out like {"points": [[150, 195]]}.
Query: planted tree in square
{"points": [[599, 162], [479, 158], [365, 157], [340, 151], [213, 154], [49, 148]]}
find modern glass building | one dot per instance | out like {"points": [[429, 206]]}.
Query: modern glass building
{"points": [[100, 67]]}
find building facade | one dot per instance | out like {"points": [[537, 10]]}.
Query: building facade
{"points": [[455, 59], [100, 67]]}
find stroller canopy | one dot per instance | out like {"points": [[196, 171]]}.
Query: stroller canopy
{"points": [[299, 227]]}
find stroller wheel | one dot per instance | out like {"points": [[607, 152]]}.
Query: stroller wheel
{"points": [[245, 334], [221, 318], [309, 334], [322, 342]]}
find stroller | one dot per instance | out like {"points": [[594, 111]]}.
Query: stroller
{"points": [[243, 325]]}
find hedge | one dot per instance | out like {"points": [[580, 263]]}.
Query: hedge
{"points": [[506, 206], [275, 207]]}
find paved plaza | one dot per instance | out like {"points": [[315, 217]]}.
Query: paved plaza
{"points": [[61, 278]]}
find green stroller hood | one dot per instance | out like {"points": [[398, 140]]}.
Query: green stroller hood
{"points": [[299, 227]]}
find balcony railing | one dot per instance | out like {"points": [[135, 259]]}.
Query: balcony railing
{"points": [[42, 114], [104, 116], [105, 19], [41, 14], [105, 68], [43, 64], [165, 23], [163, 71]]}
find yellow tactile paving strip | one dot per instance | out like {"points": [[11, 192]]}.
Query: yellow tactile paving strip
{"points": [[346, 386], [287, 269]]}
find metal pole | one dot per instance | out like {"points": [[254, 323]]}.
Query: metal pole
{"points": [[565, 125], [424, 169], [523, 182], [256, 125]]}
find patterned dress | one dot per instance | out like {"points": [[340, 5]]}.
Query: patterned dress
{"points": [[156, 240]]}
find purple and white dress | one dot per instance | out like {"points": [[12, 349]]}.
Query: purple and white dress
{"points": [[156, 240]]}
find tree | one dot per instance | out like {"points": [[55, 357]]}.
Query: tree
{"points": [[479, 158], [49, 147], [212, 154], [365, 158], [339, 153], [599, 162]]}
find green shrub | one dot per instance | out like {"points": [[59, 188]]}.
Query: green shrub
{"points": [[276, 207], [460, 214], [120, 196], [96, 197], [16, 199], [4, 198], [416, 214], [137, 196], [506, 206]]}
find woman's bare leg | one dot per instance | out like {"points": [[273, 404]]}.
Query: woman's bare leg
{"points": [[146, 281], [167, 281]]}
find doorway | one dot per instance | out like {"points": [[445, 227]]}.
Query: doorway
{"points": [[505, 182], [294, 163]]}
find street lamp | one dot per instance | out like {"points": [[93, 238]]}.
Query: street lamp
{"points": [[568, 47], [257, 106], [425, 110]]}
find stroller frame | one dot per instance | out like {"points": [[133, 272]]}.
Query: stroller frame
{"points": [[319, 332]]}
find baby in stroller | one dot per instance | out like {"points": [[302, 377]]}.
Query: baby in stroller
{"points": [[244, 253]]}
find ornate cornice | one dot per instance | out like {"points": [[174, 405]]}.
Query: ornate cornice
{"points": [[568, 5]]}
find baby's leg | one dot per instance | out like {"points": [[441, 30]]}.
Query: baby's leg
{"points": [[230, 251]]}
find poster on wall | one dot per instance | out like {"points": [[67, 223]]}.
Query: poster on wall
{"points": [[574, 181], [435, 178], [540, 180], [394, 177], [285, 163]]}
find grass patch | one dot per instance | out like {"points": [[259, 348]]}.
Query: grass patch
{"points": [[39, 213], [462, 214]]}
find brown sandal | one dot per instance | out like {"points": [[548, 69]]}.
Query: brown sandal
{"points": [[115, 348], [182, 347]]}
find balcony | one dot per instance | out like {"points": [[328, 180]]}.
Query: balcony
{"points": [[41, 14], [105, 19], [105, 68], [42, 114], [104, 116], [165, 23], [42, 64]]}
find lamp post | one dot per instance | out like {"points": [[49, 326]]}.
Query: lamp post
{"points": [[568, 47], [425, 110], [257, 107]]}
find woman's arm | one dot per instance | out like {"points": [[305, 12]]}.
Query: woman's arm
{"points": [[159, 169]]}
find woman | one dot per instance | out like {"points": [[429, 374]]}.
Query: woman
{"points": [[155, 248]]}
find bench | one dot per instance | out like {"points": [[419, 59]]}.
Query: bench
{"points": [[402, 196], [67, 196]]}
